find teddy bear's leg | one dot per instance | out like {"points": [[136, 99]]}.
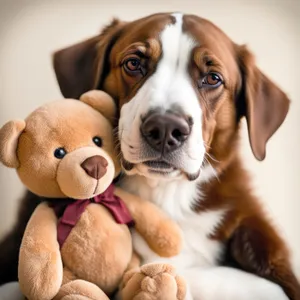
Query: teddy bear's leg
{"points": [[80, 290], [134, 262], [68, 276], [153, 282]]}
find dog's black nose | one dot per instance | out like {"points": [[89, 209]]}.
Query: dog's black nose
{"points": [[165, 132]]}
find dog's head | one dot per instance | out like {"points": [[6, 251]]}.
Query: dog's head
{"points": [[181, 86]]}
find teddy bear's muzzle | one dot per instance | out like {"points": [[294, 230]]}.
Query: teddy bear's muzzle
{"points": [[85, 172], [95, 166]]}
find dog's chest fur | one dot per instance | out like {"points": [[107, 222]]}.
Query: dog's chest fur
{"points": [[176, 198]]}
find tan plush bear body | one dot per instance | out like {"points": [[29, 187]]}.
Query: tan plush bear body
{"points": [[77, 244]]}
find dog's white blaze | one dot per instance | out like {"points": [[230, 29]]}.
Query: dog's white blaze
{"points": [[169, 86]]}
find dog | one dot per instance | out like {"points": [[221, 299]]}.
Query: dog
{"points": [[182, 86]]}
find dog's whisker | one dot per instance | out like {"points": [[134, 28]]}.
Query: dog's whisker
{"points": [[206, 146], [212, 158]]}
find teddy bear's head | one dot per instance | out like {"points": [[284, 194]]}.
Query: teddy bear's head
{"points": [[64, 148]]}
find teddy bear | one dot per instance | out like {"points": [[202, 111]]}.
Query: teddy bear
{"points": [[77, 244]]}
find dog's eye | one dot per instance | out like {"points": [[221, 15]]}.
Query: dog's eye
{"points": [[132, 64], [212, 80], [60, 153], [97, 141]]}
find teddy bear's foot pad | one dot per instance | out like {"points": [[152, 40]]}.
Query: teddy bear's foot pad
{"points": [[80, 290], [153, 282]]}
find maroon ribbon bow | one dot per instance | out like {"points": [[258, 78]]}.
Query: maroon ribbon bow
{"points": [[70, 210]]}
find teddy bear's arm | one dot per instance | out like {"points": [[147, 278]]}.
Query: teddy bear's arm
{"points": [[161, 233], [40, 264]]}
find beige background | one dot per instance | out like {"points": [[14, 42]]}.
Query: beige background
{"points": [[31, 30]]}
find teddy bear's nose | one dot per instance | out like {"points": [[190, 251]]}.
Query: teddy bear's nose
{"points": [[95, 166]]}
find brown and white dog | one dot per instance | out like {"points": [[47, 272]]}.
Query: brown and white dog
{"points": [[182, 87]]}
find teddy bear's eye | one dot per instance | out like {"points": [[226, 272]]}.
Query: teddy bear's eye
{"points": [[60, 153], [98, 141]]}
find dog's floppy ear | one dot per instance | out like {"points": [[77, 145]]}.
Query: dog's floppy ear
{"points": [[102, 102], [264, 104], [9, 137], [81, 67]]}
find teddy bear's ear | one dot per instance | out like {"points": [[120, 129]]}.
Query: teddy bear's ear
{"points": [[9, 137], [102, 102]]}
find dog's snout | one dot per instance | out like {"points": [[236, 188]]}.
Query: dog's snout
{"points": [[165, 132], [95, 166]]}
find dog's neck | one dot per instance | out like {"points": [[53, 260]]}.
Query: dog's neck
{"points": [[175, 196]]}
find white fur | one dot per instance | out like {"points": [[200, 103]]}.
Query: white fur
{"points": [[198, 261], [176, 198], [222, 283]]}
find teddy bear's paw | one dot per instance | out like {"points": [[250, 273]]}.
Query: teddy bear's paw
{"points": [[153, 282], [181, 288], [80, 290]]}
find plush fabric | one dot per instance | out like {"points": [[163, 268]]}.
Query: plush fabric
{"points": [[153, 281], [40, 264], [9, 142], [60, 154]]}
